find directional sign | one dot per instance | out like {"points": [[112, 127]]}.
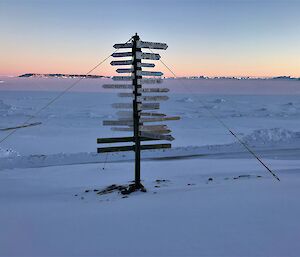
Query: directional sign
{"points": [[131, 148], [153, 90], [125, 62], [111, 140], [115, 149], [147, 56], [156, 136], [156, 146], [149, 73], [129, 114], [153, 127], [124, 78], [146, 65], [153, 98], [152, 73], [124, 54], [124, 45], [117, 122], [149, 81], [159, 119], [148, 106], [145, 98], [142, 44], [152, 45], [162, 132], [118, 86], [122, 129], [155, 114], [124, 70]]}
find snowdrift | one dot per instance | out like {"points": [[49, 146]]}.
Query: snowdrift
{"points": [[272, 143]]}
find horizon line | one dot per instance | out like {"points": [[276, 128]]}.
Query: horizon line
{"points": [[166, 77]]}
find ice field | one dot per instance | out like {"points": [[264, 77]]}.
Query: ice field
{"points": [[207, 196]]}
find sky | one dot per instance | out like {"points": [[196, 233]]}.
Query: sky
{"points": [[211, 38]]}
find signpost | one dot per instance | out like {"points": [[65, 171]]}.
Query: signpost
{"points": [[133, 121]]}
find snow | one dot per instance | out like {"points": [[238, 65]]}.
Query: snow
{"points": [[186, 100], [271, 135], [7, 153], [207, 196]]}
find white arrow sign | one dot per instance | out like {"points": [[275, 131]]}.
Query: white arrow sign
{"points": [[159, 119], [153, 127], [149, 81], [125, 78], [151, 45], [121, 129], [165, 131], [155, 114], [145, 98], [124, 54], [148, 106], [129, 114], [149, 73], [144, 64], [123, 45], [125, 62], [124, 70], [117, 122], [147, 56], [142, 44], [118, 86], [153, 90], [156, 136], [153, 98]]}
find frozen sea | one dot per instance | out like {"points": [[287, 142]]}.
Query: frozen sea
{"points": [[207, 196]]}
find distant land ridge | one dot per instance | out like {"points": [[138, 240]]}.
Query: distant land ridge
{"points": [[59, 75], [240, 78]]}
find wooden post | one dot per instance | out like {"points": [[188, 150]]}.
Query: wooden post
{"points": [[136, 118]]}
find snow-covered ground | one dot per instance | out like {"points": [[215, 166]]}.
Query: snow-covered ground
{"points": [[206, 196]]}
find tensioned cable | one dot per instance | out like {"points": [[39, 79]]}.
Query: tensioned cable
{"points": [[230, 131], [57, 97]]}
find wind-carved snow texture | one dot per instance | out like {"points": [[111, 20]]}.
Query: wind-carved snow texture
{"points": [[5, 109], [238, 109], [12, 114], [267, 136]]}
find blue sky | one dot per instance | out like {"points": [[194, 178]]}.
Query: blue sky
{"points": [[256, 38]]}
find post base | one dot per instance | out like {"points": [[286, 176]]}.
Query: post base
{"points": [[132, 188]]}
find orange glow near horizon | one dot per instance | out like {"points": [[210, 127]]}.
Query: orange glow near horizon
{"points": [[205, 38], [28, 64]]}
